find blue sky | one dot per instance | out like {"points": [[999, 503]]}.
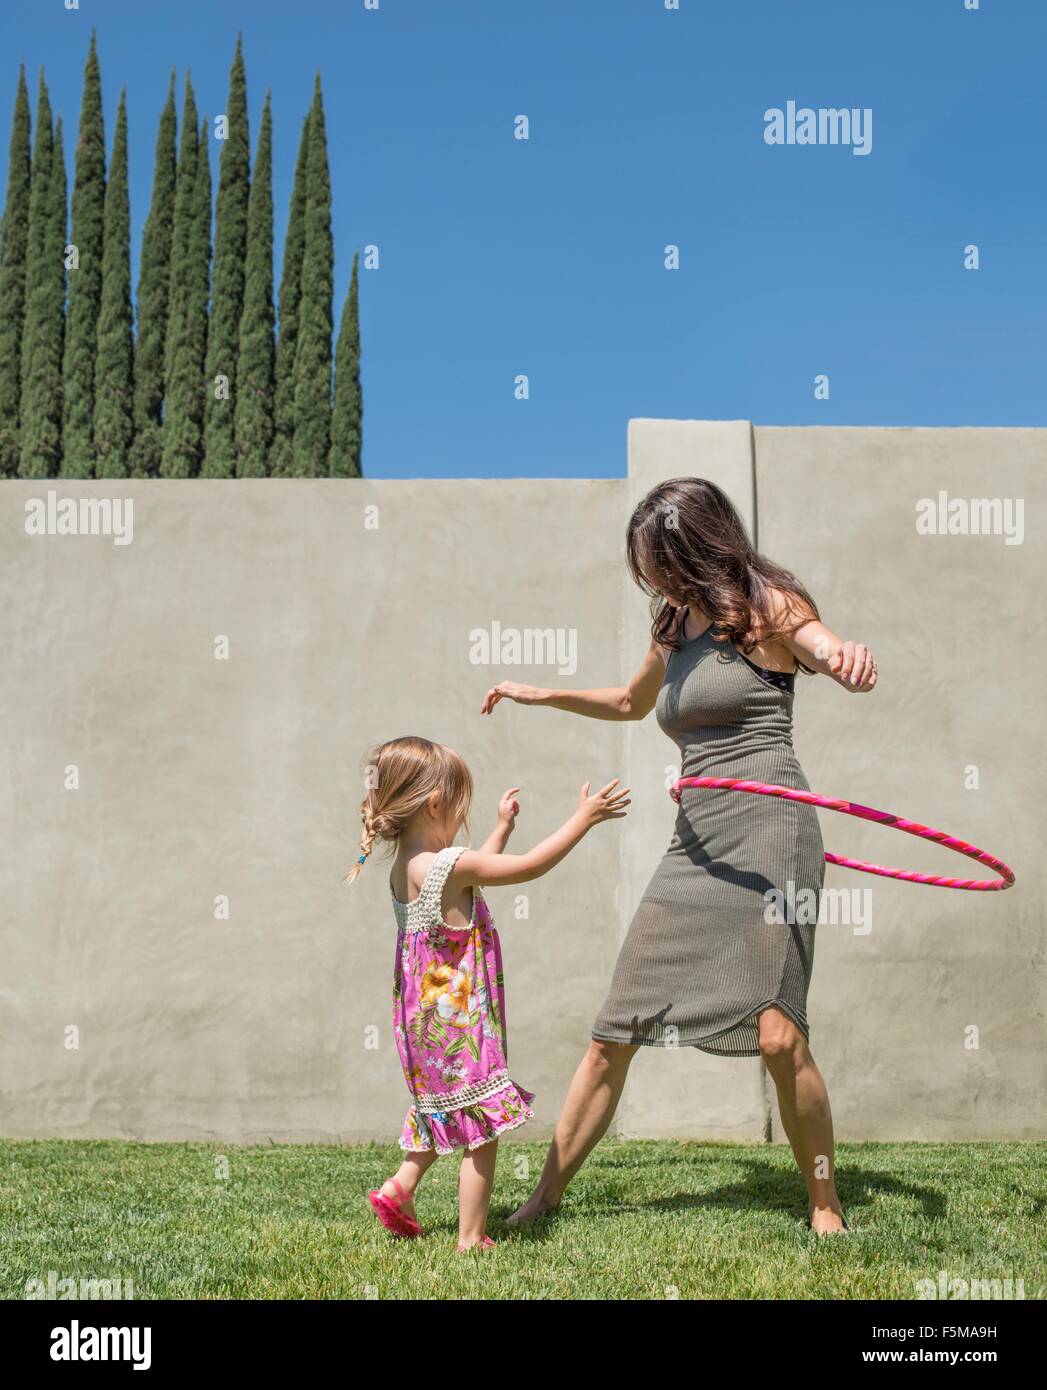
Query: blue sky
{"points": [[545, 258]]}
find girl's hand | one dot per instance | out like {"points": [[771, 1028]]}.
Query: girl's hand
{"points": [[489, 867], [510, 690], [854, 667], [606, 804], [508, 808]]}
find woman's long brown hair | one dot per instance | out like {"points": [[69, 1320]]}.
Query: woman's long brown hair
{"points": [[686, 540]]}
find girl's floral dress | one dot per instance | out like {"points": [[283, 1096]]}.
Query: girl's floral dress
{"points": [[449, 1021]]}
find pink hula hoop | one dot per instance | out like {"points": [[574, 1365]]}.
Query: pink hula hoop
{"points": [[852, 808]]}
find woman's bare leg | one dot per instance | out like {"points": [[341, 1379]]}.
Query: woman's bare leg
{"points": [[803, 1103], [591, 1101], [475, 1185]]}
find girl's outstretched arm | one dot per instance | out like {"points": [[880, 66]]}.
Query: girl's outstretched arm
{"points": [[632, 701], [508, 810], [479, 868]]}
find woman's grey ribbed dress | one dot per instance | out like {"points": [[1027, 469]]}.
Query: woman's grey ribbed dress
{"points": [[706, 949]]}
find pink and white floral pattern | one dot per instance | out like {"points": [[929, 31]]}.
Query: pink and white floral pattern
{"points": [[449, 1023]]}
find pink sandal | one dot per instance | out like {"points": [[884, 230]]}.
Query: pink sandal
{"points": [[390, 1213]]}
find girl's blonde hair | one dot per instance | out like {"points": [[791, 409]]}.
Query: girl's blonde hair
{"points": [[402, 776]]}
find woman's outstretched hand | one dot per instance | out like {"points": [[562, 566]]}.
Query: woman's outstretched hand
{"points": [[854, 667], [509, 690], [509, 808], [606, 804]]}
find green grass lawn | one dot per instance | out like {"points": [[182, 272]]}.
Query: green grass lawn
{"points": [[644, 1219]]}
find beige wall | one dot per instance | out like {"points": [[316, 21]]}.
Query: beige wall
{"points": [[200, 778]]}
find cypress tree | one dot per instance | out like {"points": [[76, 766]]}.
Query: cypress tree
{"points": [[13, 246], [85, 283], [347, 415], [254, 389], [185, 185], [154, 278], [59, 278], [227, 303], [200, 284], [280, 456], [114, 386], [180, 380], [42, 339], [312, 363]]}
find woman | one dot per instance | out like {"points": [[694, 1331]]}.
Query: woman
{"points": [[708, 962]]}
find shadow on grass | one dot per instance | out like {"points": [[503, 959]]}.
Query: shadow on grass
{"points": [[764, 1189]]}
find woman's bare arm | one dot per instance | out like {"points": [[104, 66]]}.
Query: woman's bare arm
{"points": [[632, 701], [850, 664]]}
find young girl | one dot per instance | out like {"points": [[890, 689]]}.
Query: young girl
{"points": [[448, 992]]}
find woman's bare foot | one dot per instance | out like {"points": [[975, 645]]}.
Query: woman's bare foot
{"points": [[827, 1221], [533, 1209]]}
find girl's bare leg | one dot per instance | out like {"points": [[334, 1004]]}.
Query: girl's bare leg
{"points": [[591, 1101], [475, 1185], [803, 1103], [409, 1174]]}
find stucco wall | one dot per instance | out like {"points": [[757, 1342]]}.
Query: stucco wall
{"points": [[348, 609], [954, 622]]}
